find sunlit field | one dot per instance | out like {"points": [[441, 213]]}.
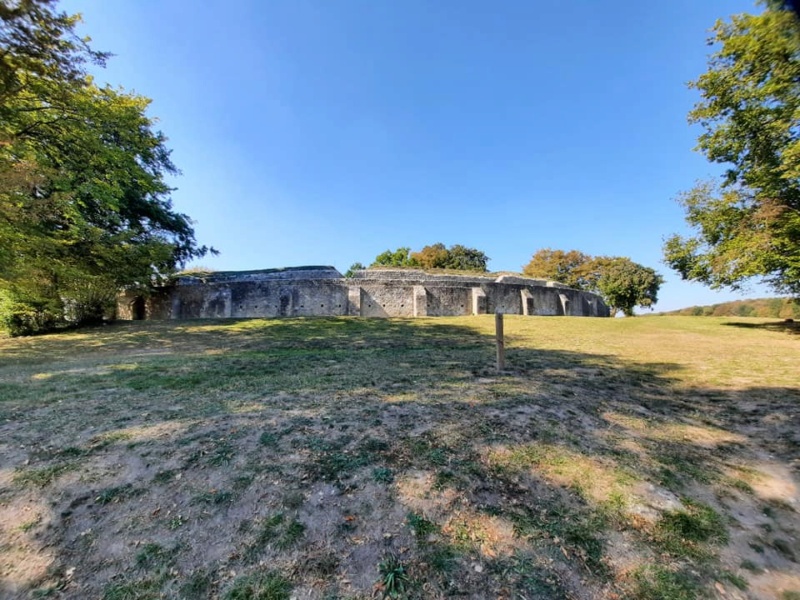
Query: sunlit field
{"points": [[343, 458]]}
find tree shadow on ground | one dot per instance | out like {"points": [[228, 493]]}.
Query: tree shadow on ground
{"points": [[786, 325], [320, 446]]}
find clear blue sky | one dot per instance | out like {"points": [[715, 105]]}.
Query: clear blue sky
{"points": [[326, 131]]}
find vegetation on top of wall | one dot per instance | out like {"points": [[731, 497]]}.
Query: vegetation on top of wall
{"points": [[435, 256], [198, 271], [356, 266]]}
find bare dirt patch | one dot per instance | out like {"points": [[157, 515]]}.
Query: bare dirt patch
{"points": [[349, 458]]}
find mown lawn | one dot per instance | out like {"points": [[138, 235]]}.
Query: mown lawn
{"points": [[342, 458]]}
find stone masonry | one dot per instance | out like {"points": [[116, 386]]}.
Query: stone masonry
{"points": [[323, 291]]}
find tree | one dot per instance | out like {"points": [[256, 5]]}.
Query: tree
{"points": [[356, 266], [42, 56], [399, 258], [84, 208], [435, 256], [569, 268], [462, 258], [748, 225], [624, 284]]}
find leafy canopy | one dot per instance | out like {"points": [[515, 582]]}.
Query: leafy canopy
{"points": [[435, 256], [622, 283], [570, 268], [84, 205], [748, 224]]}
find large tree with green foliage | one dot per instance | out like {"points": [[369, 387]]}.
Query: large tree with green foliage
{"points": [[84, 205], [435, 256], [568, 267], [397, 258], [748, 225], [622, 283]]}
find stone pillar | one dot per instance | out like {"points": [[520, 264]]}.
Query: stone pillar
{"points": [[354, 301], [527, 302], [420, 301], [479, 303], [175, 308], [228, 299], [564, 303]]}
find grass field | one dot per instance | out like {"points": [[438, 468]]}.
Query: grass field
{"points": [[348, 458]]}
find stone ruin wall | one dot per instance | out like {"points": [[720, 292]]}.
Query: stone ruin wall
{"points": [[323, 291]]}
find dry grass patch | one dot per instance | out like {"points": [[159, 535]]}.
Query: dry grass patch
{"points": [[344, 458]]}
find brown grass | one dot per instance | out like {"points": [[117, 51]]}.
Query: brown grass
{"points": [[638, 458]]}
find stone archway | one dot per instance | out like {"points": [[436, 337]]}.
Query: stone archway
{"points": [[138, 309]]}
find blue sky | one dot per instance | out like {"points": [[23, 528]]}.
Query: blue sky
{"points": [[324, 132]]}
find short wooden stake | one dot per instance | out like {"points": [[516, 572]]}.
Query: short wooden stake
{"points": [[498, 335]]}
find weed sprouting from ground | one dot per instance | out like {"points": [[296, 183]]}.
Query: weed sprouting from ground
{"points": [[383, 475], [421, 526], [394, 581]]}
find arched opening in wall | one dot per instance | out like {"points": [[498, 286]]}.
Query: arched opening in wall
{"points": [[138, 309]]}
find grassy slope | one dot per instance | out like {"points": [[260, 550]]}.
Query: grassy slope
{"points": [[783, 308], [641, 458]]}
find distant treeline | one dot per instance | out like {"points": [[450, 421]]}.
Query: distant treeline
{"points": [[783, 308]]}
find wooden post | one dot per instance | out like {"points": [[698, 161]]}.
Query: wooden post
{"points": [[498, 334]]}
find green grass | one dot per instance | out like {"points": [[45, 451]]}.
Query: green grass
{"points": [[277, 530], [182, 459], [143, 589], [660, 583], [420, 526], [198, 585], [689, 530], [394, 580], [42, 476], [117, 494], [152, 557], [260, 586]]}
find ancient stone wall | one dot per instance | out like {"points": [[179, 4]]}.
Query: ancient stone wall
{"points": [[322, 291]]}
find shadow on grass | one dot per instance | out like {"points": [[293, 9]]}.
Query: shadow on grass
{"points": [[786, 326], [231, 423]]}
